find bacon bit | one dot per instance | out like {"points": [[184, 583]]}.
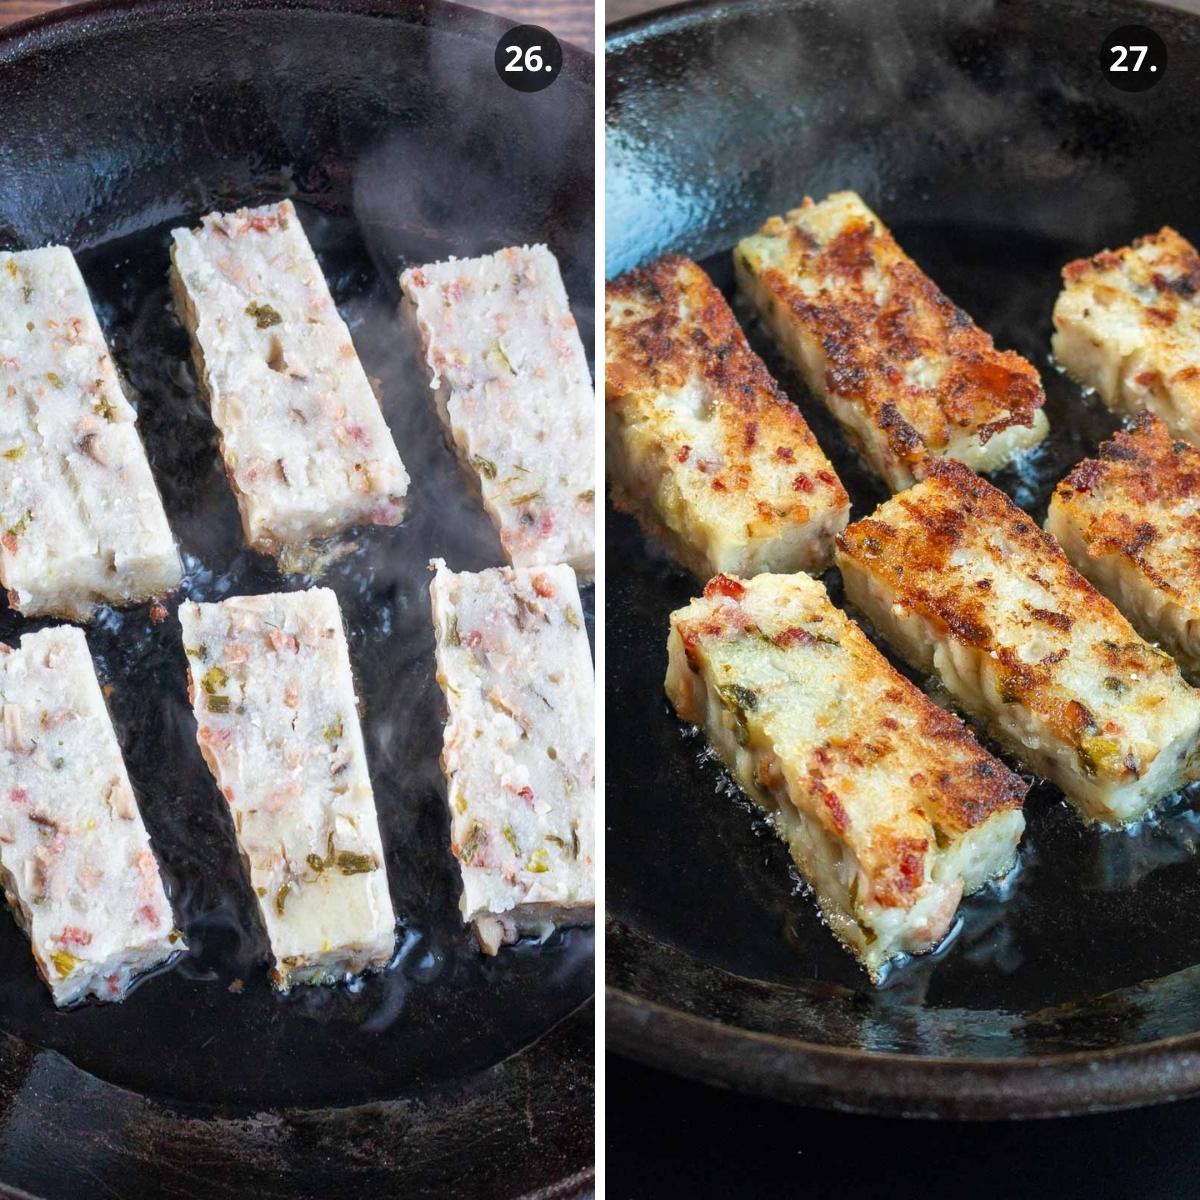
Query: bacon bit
{"points": [[148, 915], [210, 735], [795, 636], [261, 222], [19, 795], [841, 822], [785, 454], [722, 585], [291, 694], [526, 794], [10, 543], [682, 454], [113, 983], [281, 641], [718, 485], [147, 868], [418, 277], [543, 586], [158, 612], [472, 639], [802, 483], [72, 935], [228, 793]]}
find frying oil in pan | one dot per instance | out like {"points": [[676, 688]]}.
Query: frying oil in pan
{"points": [[1085, 912], [212, 1029]]}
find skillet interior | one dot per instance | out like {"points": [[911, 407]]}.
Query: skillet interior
{"points": [[986, 137], [389, 126]]}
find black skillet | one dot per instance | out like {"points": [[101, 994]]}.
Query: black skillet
{"points": [[987, 136], [449, 1074]]}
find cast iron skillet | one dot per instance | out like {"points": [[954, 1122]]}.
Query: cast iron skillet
{"points": [[988, 139], [450, 1074]]}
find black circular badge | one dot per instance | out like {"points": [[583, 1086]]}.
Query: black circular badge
{"points": [[1134, 58], [528, 58]]}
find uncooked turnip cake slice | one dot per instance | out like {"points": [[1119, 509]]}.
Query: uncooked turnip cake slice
{"points": [[702, 446], [963, 583], [306, 448], [76, 859], [890, 809], [1127, 323], [513, 391], [518, 753], [908, 374], [81, 522], [270, 683]]}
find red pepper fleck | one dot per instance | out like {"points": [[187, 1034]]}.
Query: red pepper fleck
{"points": [[827, 478], [785, 454], [543, 586], [719, 485], [19, 795], [682, 455], [526, 794], [802, 483]]}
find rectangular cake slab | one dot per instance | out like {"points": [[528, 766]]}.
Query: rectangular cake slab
{"points": [[513, 391], [703, 447], [306, 449], [76, 860], [518, 753], [270, 683], [908, 374], [964, 584], [81, 521], [890, 809]]}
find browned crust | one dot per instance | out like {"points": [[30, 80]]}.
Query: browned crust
{"points": [[868, 347], [1173, 270], [961, 786], [945, 514], [1131, 498], [648, 348]]}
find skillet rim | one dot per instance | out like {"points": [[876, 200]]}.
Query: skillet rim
{"points": [[45, 30], [881, 1083], [400, 1117]]}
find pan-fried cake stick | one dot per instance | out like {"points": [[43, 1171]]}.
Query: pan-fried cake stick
{"points": [[908, 374]]}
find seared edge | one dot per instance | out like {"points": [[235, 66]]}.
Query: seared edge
{"points": [[1130, 521], [889, 807], [964, 584], [1127, 323], [906, 372], [702, 445]]}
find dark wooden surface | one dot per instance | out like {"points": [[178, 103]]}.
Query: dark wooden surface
{"points": [[568, 20]]}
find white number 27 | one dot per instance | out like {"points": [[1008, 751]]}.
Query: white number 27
{"points": [[1123, 52]]}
